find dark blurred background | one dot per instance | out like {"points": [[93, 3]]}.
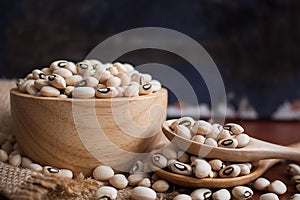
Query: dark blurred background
{"points": [[255, 44]]}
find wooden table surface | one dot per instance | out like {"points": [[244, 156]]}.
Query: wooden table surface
{"points": [[283, 133]]}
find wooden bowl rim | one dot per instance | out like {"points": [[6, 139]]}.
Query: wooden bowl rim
{"points": [[16, 92]]}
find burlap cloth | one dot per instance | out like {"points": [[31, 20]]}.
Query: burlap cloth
{"points": [[19, 183]]}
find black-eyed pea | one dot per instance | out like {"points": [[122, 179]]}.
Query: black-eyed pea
{"points": [[156, 85], [145, 182], [69, 90], [120, 67], [35, 167], [201, 168], [230, 171], [183, 131], [21, 84], [202, 193], [182, 197], [201, 127], [58, 64], [128, 67], [138, 166], [132, 90], [216, 164], [49, 170], [63, 72], [113, 70], [154, 177], [29, 77], [121, 91], [39, 83], [113, 82], [57, 81], [144, 193], [243, 140], [88, 82], [293, 169], [159, 160], [235, 129], [71, 67], [38, 74], [102, 76], [296, 179], [73, 80], [119, 181], [95, 63], [298, 187], [268, 196], [245, 170], [103, 173], [242, 193], [106, 92], [66, 173], [147, 78], [198, 138], [83, 92], [106, 193], [215, 131], [185, 121], [49, 91], [134, 179], [211, 142], [138, 78], [183, 157], [25, 162], [84, 68], [3, 156], [228, 143], [221, 194], [160, 186], [125, 79], [46, 71], [30, 88], [295, 197], [64, 96], [145, 89], [277, 187], [261, 183], [224, 134], [180, 168], [7, 146]]}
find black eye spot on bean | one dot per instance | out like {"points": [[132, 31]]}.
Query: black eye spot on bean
{"points": [[104, 90], [53, 170], [228, 171], [82, 83], [185, 123], [83, 66], [227, 142], [207, 195], [62, 64], [104, 198], [180, 167], [51, 77], [156, 158], [147, 86], [247, 194], [42, 76]]}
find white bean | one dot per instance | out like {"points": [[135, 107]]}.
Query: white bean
{"points": [[134, 179], [145, 182], [230, 171], [242, 192], [156, 85], [221, 194], [169, 153], [215, 131], [113, 70], [216, 164], [25, 162], [46, 70], [160, 186], [57, 81], [125, 79], [103, 173], [261, 183], [198, 138], [144, 193], [182, 197], [15, 160], [49, 91], [180, 168], [3, 156], [202, 193], [106, 193], [58, 64], [201, 127], [234, 128], [183, 131], [132, 90], [35, 167], [83, 92], [211, 142], [243, 140], [39, 83], [277, 187], [224, 134], [201, 168], [295, 197], [268, 196], [63, 72], [66, 173], [293, 169], [159, 160], [119, 181], [38, 74], [73, 80], [245, 170], [84, 68], [102, 76], [30, 88], [120, 67], [69, 90]]}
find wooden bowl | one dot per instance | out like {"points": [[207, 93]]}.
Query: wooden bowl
{"points": [[80, 134]]}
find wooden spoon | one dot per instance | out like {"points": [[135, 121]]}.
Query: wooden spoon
{"points": [[255, 150], [187, 181]]}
